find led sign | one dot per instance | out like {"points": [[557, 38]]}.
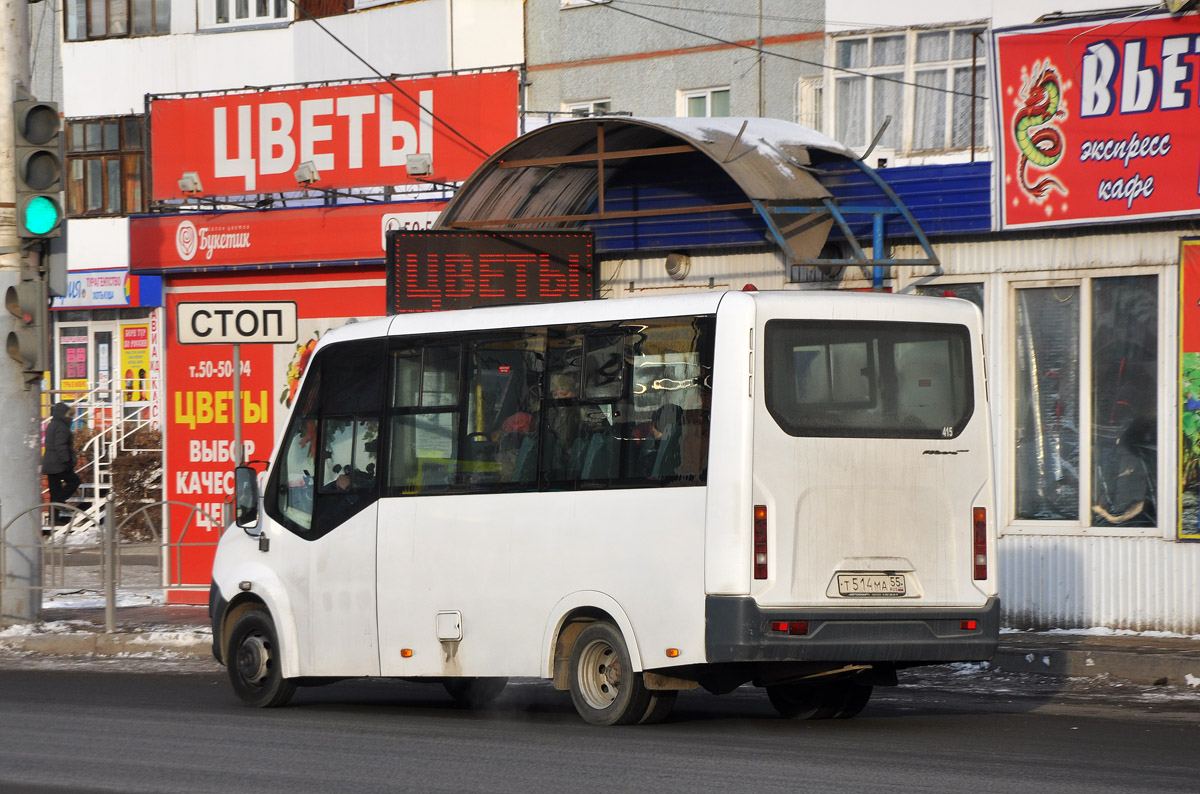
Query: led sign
{"points": [[445, 269]]}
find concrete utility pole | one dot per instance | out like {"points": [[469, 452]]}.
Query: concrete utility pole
{"points": [[20, 484]]}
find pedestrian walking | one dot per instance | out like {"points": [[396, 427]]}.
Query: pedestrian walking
{"points": [[58, 462]]}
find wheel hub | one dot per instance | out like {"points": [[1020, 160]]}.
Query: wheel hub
{"points": [[600, 675], [252, 659]]}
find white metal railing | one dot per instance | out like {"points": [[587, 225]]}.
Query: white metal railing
{"points": [[117, 422]]}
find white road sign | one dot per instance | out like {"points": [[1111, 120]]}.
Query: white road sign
{"points": [[236, 323]]}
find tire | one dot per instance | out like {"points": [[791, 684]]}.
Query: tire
{"points": [[661, 703], [252, 658], [849, 698], [801, 701], [604, 686], [475, 693]]}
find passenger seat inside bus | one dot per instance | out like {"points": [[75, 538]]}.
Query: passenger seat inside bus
{"points": [[667, 451]]}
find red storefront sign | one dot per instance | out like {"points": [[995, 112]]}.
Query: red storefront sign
{"points": [[278, 251], [200, 241], [199, 404], [356, 134], [1097, 120]]}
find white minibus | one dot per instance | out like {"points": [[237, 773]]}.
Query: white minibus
{"points": [[628, 498]]}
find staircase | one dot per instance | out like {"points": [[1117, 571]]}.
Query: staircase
{"points": [[114, 424]]}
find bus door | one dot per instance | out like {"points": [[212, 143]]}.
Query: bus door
{"points": [[870, 451], [323, 492]]}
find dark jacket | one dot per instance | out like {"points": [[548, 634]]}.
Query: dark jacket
{"points": [[60, 446]]}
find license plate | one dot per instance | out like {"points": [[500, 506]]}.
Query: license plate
{"points": [[867, 585]]}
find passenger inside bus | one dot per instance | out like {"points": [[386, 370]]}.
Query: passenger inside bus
{"points": [[570, 429]]}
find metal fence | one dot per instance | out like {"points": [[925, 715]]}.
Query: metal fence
{"points": [[100, 555]]}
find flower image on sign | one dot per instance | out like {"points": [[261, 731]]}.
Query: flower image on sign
{"points": [[1097, 120]]}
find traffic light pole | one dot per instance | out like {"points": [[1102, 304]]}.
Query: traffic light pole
{"points": [[20, 426]]}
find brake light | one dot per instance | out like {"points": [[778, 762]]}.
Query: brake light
{"points": [[979, 521], [799, 627], [760, 541]]}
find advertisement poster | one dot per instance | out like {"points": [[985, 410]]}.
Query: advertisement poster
{"points": [[135, 362], [199, 410], [1096, 120], [1189, 398], [353, 135]]}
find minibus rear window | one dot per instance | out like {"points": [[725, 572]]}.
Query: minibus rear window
{"points": [[868, 379]]}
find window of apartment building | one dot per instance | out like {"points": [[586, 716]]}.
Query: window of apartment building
{"points": [[101, 19], [237, 13], [106, 165], [706, 102], [922, 79], [810, 102], [597, 107]]}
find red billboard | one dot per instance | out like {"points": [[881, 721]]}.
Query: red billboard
{"points": [[355, 135], [199, 405], [212, 241], [1097, 120]]}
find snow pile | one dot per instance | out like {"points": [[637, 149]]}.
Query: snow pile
{"points": [[83, 599], [45, 627], [1104, 631]]}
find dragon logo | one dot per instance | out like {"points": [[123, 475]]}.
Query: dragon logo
{"points": [[1040, 143]]}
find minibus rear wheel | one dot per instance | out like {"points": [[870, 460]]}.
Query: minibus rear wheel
{"points": [[801, 701], [255, 669], [850, 697], [604, 686]]}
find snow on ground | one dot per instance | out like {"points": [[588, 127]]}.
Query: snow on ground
{"points": [[1104, 631]]}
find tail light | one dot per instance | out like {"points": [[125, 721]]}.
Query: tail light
{"points": [[760, 541], [979, 547]]}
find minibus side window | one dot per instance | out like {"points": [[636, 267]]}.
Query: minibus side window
{"points": [[326, 470], [424, 418], [504, 373], [671, 398], [292, 479]]}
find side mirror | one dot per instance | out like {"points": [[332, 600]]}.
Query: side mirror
{"points": [[245, 489]]}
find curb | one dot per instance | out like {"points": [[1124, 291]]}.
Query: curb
{"points": [[1170, 663], [1150, 667], [118, 644]]}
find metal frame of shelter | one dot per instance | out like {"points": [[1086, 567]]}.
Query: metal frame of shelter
{"points": [[567, 174]]}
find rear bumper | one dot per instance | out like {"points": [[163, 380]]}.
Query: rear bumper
{"points": [[738, 630]]}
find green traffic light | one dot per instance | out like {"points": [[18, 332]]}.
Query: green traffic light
{"points": [[41, 215]]}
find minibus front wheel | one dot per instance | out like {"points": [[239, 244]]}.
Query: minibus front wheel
{"points": [[252, 657]]}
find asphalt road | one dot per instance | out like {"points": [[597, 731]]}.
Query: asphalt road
{"points": [[88, 729]]}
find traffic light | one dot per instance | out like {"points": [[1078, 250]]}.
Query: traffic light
{"points": [[38, 162], [28, 344]]}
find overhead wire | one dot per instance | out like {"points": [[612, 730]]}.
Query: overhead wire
{"points": [[612, 5], [395, 86], [744, 14]]}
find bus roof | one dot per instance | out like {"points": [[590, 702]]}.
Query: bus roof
{"points": [[819, 303]]}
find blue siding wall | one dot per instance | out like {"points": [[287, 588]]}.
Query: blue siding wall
{"points": [[945, 200]]}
